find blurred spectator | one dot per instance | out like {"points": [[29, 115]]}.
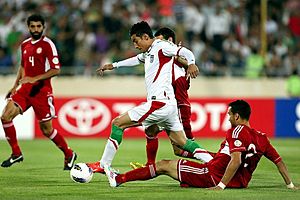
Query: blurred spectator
{"points": [[254, 65], [87, 32], [293, 84], [5, 61]]}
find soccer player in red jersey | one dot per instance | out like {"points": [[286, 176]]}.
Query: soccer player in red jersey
{"points": [[32, 88], [232, 166]]}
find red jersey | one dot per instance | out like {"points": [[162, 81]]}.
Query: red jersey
{"points": [[38, 57], [252, 144], [180, 84]]}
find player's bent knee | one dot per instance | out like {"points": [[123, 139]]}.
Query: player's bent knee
{"points": [[152, 131], [164, 166]]}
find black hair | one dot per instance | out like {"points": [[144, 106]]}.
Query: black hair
{"points": [[141, 28], [242, 108], [35, 18], [166, 33]]}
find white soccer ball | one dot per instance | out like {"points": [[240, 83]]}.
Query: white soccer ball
{"points": [[81, 173]]}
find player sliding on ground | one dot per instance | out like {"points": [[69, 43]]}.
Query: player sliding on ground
{"points": [[232, 166]]}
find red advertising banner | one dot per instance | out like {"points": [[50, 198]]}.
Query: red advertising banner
{"points": [[91, 117]]}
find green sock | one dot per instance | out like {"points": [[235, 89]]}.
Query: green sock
{"points": [[116, 134], [191, 145]]}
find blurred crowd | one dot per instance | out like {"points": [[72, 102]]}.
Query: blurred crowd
{"points": [[225, 35]]}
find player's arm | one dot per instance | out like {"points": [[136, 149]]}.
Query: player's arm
{"points": [[285, 175], [129, 62], [13, 90], [50, 73], [192, 69], [230, 171]]}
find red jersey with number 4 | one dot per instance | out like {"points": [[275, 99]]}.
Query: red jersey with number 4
{"points": [[253, 145], [38, 57]]}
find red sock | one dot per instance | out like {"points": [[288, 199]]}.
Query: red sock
{"points": [[151, 150], [144, 173], [11, 136], [186, 154], [60, 142]]}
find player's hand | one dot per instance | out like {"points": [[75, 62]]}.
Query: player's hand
{"points": [[27, 79], [215, 188], [103, 68], [192, 71]]}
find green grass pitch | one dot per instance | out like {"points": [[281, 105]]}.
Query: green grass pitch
{"points": [[40, 175]]}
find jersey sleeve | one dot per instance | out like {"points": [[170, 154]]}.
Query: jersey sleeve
{"points": [[51, 54], [171, 49], [271, 153], [236, 139], [133, 61]]}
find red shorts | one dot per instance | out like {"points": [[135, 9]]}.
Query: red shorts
{"points": [[194, 174], [42, 102]]}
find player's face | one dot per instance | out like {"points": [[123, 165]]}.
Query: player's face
{"points": [[140, 43], [36, 29], [232, 118]]}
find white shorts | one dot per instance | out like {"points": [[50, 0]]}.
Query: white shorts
{"points": [[156, 112]]}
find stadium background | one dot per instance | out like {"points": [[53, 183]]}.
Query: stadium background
{"points": [[237, 59]]}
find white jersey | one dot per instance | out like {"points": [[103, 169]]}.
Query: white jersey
{"points": [[158, 63]]}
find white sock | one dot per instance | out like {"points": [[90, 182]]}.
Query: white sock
{"points": [[109, 153], [202, 154]]}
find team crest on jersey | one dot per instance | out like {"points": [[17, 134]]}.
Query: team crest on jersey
{"points": [[151, 58], [25, 52], [237, 143], [55, 60], [39, 50]]}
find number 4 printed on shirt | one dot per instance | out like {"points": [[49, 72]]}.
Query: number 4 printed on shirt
{"points": [[31, 59]]}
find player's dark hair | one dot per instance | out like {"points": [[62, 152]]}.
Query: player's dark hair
{"points": [[166, 33], [242, 108], [141, 28], [35, 18]]}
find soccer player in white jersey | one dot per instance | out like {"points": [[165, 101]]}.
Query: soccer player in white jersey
{"points": [[32, 88], [181, 85], [161, 105]]}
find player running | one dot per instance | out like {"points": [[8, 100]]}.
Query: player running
{"points": [[39, 63]]}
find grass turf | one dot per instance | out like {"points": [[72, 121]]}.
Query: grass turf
{"points": [[40, 176]]}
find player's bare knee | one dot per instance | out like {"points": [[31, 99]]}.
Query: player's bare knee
{"points": [[7, 116], [163, 166], [152, 131], [116, 121]]}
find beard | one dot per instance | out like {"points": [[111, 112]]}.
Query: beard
{"points": [[36, 35]]}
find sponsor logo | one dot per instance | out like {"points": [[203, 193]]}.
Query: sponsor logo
{"points": [[84, 116]]}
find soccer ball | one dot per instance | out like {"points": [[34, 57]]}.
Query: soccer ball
{"points": [[81, 173]]}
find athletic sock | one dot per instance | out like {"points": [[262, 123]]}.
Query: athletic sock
{"points": [[197, 151], [191, 146], [60, 142], [112, 146], [11, 136], [151, 149], [144, 173]]}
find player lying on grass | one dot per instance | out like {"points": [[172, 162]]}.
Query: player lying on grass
{"points": [[232, 166]]}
